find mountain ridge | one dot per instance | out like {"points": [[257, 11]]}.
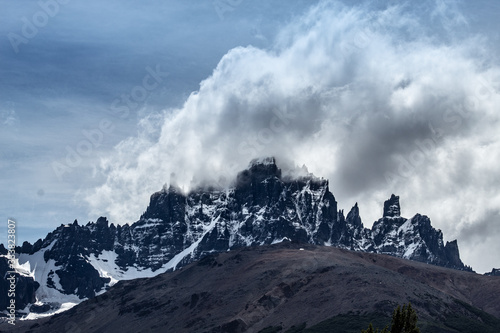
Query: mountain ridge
{"points": [[263, 207]]}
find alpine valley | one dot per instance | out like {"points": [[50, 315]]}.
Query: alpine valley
{"points": [[77, 262]]}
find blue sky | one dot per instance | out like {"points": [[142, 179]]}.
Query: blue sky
{"points": [[368, 85]]}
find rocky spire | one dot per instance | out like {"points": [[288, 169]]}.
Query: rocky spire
{"points": [[391, 207], [353, 217]]}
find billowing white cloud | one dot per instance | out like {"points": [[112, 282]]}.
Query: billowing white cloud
{"points": [[371, 99]]}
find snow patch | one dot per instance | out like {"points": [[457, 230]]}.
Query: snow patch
{"points": [[276, 241], [106, 265], [34, 265], [172, 264]]}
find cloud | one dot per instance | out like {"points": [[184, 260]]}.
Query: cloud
{"points": [[371, 99], [8, 118]]}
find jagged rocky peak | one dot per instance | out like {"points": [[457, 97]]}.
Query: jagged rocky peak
{"points": [[258, 170], [101, 222], [452, 253], [353, 216], [392, 207]]}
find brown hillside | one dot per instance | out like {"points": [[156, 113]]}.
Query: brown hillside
{"points": [[280, 285]]}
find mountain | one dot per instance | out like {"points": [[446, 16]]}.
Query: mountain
{"points": [[287, 287], [77, 262], [494, 272]]}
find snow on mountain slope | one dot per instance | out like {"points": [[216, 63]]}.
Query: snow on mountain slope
{"points": [[49, 291]]}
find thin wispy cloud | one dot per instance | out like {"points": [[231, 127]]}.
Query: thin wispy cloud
{"points": [[8, 117]]}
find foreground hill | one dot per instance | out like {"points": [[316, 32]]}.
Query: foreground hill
{"points": [[287, 287]]}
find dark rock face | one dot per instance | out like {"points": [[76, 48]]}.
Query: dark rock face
{"points": [[73, 244], [452, 255], [263, 207], [494, 272], [40, 308], [24, 291], [392, 207]]}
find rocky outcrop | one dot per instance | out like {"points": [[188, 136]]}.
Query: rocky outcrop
{"points": [[25, 287], [392, 207]]}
